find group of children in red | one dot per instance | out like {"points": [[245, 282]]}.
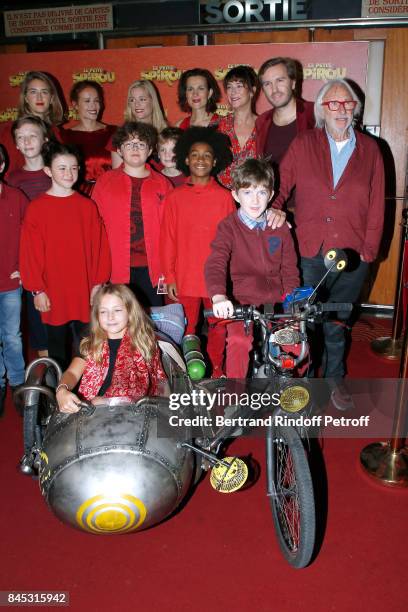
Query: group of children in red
{"points": [[137, 230]]}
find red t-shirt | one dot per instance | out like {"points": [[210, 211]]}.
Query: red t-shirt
{"points": [[138, 256], [31, 182], [178, 180]]}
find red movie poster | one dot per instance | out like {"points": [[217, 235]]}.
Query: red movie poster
{"points": [[116, 69]]}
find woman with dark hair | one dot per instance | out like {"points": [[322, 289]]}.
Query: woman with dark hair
{"points": [[38, 97], [198, 94], [89, 134], [242, 88]]}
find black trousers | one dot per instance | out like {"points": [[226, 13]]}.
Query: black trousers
{"points": [[338, 287], [36, 328], [63, 341], [143, 289]]}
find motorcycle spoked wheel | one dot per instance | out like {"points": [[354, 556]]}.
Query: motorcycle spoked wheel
{"points": [[290, 491]]}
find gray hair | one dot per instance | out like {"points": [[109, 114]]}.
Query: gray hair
{"points": [[318, 109]]}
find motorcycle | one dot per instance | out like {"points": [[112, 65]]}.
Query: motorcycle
{"points": [[123, 466]]}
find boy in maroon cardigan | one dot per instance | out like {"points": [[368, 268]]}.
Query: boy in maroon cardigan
{"points": [[261, 261]]}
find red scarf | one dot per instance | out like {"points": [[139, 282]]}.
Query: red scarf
{"points": [[132, 376]]}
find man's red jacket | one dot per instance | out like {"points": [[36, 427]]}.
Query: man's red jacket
{"points": [[350, 215]]}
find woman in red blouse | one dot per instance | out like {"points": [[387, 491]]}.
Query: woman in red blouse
{"points": [[242, 88], [198, 94], [90, 135]]}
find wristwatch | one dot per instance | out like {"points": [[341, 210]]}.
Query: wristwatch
{"points": [[34, 293]]}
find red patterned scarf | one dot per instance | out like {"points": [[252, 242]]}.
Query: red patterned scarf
{"points": [[132, 376]]}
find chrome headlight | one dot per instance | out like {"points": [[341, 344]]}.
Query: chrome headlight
{"points": [[294, 398], [288, 335]]}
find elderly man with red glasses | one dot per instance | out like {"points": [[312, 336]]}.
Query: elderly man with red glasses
{"points": [[339, 177]]}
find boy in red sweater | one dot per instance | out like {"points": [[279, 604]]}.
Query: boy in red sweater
{"points": [[30, 134], [261, 261], [64, 252], [191, 216], [13, 204]]}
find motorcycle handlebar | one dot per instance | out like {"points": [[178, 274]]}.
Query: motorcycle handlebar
{"points": [[208, 313], [242, 312], [335, 307]]}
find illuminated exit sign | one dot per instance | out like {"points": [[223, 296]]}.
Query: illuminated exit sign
{"points": [[250, 11]]}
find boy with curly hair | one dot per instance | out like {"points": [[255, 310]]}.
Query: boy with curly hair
{"points": [[131, 201], [191, 216]]}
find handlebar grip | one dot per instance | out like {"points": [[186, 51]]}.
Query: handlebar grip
{"points": [[336, 306], [208, 313]]}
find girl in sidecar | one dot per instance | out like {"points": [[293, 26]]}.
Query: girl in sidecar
{"points": [[119, 358]]}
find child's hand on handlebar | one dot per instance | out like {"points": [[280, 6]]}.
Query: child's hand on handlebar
{"points": [[222, 307]]}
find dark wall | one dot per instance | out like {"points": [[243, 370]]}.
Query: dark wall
{"points": [[151, 14], [333, 9]]}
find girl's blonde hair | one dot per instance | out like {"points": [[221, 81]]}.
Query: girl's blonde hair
{"points": [[140, 328], [158, 120], [55, 112]]}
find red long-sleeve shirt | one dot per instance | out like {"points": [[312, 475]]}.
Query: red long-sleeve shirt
{"points": [[261, 263], [350, 215], [190, 220], [64, 251], [13, 204]]}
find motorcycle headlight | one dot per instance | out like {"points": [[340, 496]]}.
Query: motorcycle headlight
{"points": [[288, 335], [294, 398]]}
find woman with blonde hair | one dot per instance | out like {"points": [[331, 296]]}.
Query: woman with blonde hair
{"points": [[119, 358], [143, 104], [38, 97]]}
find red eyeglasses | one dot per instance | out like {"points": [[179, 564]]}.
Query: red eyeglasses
{"points": [[334, 105]]}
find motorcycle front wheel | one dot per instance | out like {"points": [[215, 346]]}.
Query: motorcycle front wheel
{"points": [[290, 491]]}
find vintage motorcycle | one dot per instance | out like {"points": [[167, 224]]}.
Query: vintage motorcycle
{"points": [[123, 466]]}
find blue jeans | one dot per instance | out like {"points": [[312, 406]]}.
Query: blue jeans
{"points": [[11, 349], [338, 287]]}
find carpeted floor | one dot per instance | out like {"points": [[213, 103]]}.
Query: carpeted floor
{"points": [[219, 552]]}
